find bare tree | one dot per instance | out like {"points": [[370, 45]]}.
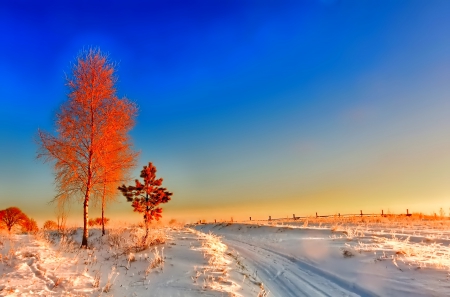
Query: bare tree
{"points": [[92, 146], [61, 211], [117, 162]]}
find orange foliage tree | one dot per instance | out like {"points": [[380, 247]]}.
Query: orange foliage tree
{"points": [[145, 197], [92, 223], [50, 225], [102, 221], [98, 222], [12, 216], [29, 225], [92, 149]]}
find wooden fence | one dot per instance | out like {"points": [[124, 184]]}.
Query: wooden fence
{"points": [[339, 215]]}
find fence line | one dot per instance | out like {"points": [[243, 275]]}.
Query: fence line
{"points": [[339, 215]]}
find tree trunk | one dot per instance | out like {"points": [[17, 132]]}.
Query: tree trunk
{"points": [[146, 218], [84, 242], [103, 216], [146, 231]]}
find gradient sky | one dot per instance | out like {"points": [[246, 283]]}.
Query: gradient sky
{"points": [[247, 108]]}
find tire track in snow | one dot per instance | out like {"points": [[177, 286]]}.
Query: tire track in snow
{"points": [[297, 278]]}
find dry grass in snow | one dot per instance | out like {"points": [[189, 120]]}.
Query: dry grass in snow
{"points": [[117, 264], [215, 274]]}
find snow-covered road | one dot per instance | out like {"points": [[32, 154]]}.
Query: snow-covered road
{"points": [[284, 275], [308, 262]]}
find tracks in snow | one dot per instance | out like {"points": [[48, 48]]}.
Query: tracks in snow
{"points": [[284, 275]]}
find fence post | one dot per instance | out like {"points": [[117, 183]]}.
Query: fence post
{"points": [[232, 219], [293, 216], [382, 213], [270, 218], [361, 212], [407, 213], [250, 218], [339, 214], [215, 221], [316, 214]]}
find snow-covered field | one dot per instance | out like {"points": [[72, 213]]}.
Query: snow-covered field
{"points": [[297, 260], [233, 259]]}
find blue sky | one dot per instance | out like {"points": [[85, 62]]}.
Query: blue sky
{"points": [[275, 105]]}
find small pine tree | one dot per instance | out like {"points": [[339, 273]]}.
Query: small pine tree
{"points": [[145, 197]]}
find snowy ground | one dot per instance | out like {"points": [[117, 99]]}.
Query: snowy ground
{"points": [[294, 259], [189, 263]]}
